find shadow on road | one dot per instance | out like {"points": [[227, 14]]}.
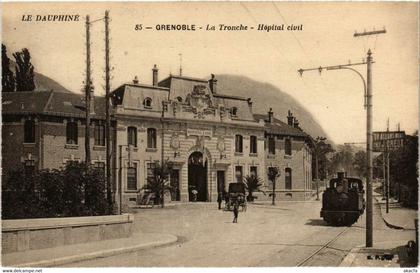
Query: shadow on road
{"points": [[316, 222]]}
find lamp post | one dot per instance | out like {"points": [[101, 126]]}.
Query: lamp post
{"points": [[368, 106]]}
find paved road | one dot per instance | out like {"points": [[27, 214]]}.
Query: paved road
{"points": [[264, 236]]}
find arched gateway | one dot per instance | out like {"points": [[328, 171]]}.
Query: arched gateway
{"points": [[197, 176]]}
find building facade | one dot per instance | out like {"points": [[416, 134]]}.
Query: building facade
{"points": [[211, 138]]}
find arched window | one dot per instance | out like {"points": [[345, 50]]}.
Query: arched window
{"points": [[253, 145], [288, 179], [151, 138], [132, 136], [29, 131], [238, 144], [71, 133], [288, 146], [147, 103]]}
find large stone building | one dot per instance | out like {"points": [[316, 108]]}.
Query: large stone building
{"points": [[211, 138]]}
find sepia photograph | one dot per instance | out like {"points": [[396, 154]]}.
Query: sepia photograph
{"points": [[212, 135]]}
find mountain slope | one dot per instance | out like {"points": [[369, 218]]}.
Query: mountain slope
{"points": [[42, 82], [264, 96]]}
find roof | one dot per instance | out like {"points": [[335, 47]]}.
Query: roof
{"points": [[279, 127], [50, 102]]}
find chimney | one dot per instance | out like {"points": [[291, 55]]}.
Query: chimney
{"points": [[136, 80], [290, 118], [155, 75], [213, 84], [296, 123], [270, 115]]}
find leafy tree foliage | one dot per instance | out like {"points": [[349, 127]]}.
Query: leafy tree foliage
{"points": [[254, 183], [24, 71], [360, 164], [342, 160], [75, 190], [404, 172], [7, 77], [321, 151], [159, 182]]}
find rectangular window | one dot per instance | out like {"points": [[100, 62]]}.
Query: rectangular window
{"points": [[253, 170], [101, 166], [71, 133], [288, 178], [238, 174], [99, 135], [132, 177], [271, 145], [288, 146], [132, 136], [150, 168], [151, 138], [29, 131], [253, 145], [238, 144]]}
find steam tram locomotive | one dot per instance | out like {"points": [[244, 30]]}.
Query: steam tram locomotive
{"points": [[343, 202]]}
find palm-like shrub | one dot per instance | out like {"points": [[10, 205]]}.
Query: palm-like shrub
{"points": [[254, 184], [159, 182]]}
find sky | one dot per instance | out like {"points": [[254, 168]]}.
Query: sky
{"points": [[335, 98]]}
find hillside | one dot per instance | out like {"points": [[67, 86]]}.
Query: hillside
{"points": [[264, 96], [43, 82]]}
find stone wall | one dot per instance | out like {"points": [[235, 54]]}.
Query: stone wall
{"points": [[29, 234]]}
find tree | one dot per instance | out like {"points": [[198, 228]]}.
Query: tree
{"points": [[273, 173], [342, 159], [360, 164], [404, 172], [7, 77], [253, 183], [319, 159], [159, 182], [24, 71]]}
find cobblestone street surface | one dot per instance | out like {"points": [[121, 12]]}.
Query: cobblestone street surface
{"points": [[289, 234]]}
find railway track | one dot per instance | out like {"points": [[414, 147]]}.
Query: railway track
{"points": [[326, 245]]}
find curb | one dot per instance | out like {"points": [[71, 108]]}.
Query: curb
{"points": [[350, 257], [103, 253], [385, 221]]}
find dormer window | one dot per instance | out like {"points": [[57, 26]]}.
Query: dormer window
{"points": [[147, 103]]}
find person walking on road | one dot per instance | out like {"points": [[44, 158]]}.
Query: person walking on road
{"points": [[235, 212]]}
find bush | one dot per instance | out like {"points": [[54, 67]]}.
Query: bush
{"points": [[75, 190]]}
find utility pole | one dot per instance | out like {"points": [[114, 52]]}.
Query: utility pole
{"points": [[369, 140], [368, 106], [88, 88], [180, 64], [107, 109], [387, 170]]}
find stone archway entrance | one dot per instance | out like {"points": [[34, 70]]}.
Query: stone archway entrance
{"points": [[197, 176]]}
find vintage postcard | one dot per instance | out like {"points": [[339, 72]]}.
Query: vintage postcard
{"points": [[209, 134]]}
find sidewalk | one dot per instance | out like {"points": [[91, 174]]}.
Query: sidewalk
{"points": [[50, 257], [375, 257], [398, 217]]}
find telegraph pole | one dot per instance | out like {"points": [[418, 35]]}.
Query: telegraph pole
{"points": [[88, 88], [107, 109], [387, 170], [369, 140], [368, 106]]}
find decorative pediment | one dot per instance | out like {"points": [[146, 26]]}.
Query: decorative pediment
{"points": [[200, 99]]}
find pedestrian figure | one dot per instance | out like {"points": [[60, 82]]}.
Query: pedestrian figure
{"points": [[195, 194], [235, 212], [219, 199]]}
